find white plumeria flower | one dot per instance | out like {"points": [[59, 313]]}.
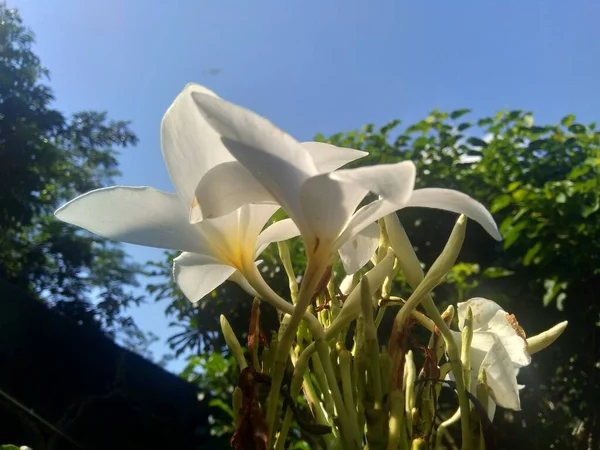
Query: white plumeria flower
{"points": [[499, 348], [273, 168], [214, 250]]}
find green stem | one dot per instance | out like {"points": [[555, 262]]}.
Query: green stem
{"points": [[307, 290], [397, 420], [319, 373], [457, 369], [347, 386], [301, 378]]}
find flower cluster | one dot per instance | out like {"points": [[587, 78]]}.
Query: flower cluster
{"points": [[232, 171]]}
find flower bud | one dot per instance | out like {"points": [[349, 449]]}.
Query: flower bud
{"points": [[544, 339]]}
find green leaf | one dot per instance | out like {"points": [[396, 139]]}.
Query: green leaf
{"points": [[497, 272], [512, 186], [500, 203], [520, 194], [476, 142], [218, 403], [537, 144], [577, 128], [567, 120], [9, 447], [589, 210], [459, 113], [538, 130], [531, 253], [463, 126]]}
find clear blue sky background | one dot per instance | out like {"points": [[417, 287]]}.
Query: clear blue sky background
{"points": [[314, 66]]}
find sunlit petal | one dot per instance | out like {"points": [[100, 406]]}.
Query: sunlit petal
{"points": [[501, 376], [282, 230], [357, 252], [136, 215], [190, 146], [483, 311], [512, 337], [273, 157], [393, 183], [328, 158], [327, 206], [455, 201], [198, 275], [225, 188]]}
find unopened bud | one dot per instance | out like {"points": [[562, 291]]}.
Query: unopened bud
{"points": [[232, 343], [544, 339], [407, 258]]}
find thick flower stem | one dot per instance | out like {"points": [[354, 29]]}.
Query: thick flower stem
{"points": [[312, 279], [284, 345]]}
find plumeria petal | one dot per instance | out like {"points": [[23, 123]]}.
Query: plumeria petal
{"points": [[327, 206], [282, 230], [491, 409], [225, 188], [501, 376], [512, 337], [241, 281], [136, 215], [347, 284], [483, 311], [357, 252], [228, 186], [198, 275], [328, 158], [455, 201], [392, 182], [232, 238], [190, 146], [270, 155]]}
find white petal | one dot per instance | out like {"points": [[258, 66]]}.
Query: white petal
{"points": [[225, 188], [327, 206], [233, 237], [483, 311], [480, 346], [198, 275], [329, 157], [491, 409], [358, 251], [136, 215], [252, 220], [501, 377], [347, 284], [190, 146], [392, 182], [516, 346], [241, 281], [273, 157], [455, 201], [282, 230]]}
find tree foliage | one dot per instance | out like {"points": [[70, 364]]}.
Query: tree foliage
{"points": [[47, 159]]}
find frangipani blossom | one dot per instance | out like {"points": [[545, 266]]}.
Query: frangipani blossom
{"points": [[273, 167], [213, 249], [280, 170], [499, 348]]}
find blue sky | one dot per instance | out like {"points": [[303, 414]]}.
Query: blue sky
{"points": [[313, 66]]}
